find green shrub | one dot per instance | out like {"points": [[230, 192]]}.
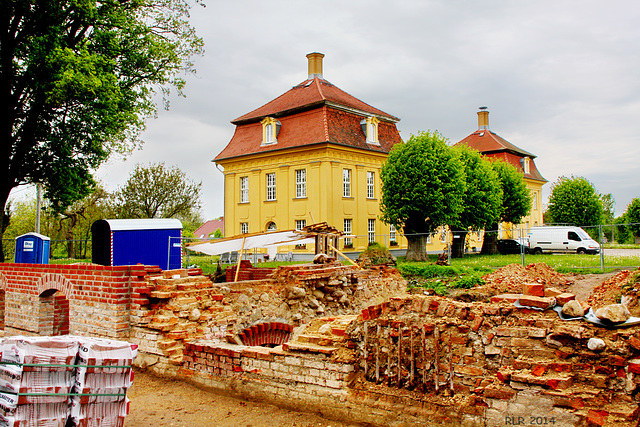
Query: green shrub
{"points": [[468, 281]]}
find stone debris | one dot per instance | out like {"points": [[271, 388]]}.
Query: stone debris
{"points": [[596, 344], [614, 313], [624, 284], [573, 308], [513, 277]]}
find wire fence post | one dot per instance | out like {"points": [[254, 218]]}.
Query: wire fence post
{"points": [[601, 249], [446, 234], [521, 246]]}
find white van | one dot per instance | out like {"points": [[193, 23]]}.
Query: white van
{"points": [[561, 239]]}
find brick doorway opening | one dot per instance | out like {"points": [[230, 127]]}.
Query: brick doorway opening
{"points": [[53, 316], [266, 334]]}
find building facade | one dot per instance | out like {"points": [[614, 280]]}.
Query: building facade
{"points": [[494, 147], [313, 154]]}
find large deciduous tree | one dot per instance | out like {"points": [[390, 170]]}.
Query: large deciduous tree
{"points": [[482, 201], [516, 202], [157, 191], [632, 215], [575, 201], [423, 186], [77, 80]]}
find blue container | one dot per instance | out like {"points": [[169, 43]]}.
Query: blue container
{"points": [[137, 241], [32, 248]]}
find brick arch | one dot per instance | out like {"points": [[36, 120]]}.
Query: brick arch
{"points": [[54, 281], [266, 333]]}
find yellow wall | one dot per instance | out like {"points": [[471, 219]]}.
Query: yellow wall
{"points": [[324, 201], [534, 218]]}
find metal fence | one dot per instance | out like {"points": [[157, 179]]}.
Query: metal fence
{"points": [[437, 243]]}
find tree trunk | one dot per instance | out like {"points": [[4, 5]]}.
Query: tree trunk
{"points": [[490, 242], [417, 248], [458, 245], [4, 220]]}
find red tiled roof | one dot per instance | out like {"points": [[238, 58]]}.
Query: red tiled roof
{"points": [[493, 146], [515, 161], [323, 124], [309, 94], [209, 227], [487, 142]]}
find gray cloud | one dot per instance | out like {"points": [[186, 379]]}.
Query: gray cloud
{"points": [[560, 80]]}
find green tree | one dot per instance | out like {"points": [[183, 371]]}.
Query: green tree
{"points": [[73, 225], [623, 233], [516, 202], [423, 187], [633, 216], [482, 201], [575, 201], [608, 214], [77, 80], [157, 191]]}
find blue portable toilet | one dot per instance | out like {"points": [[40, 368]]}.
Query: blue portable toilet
{"points": [[32, 248], [153, 241]]}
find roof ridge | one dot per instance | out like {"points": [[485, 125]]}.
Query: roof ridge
{"points": [[316, 80]]}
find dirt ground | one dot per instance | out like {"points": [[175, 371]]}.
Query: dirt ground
{"points": [[584, 283], [160, 402]]}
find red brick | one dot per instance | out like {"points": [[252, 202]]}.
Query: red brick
{"points": [[564, 298], [533, 289], [596, 418], [538, 370], [510, 298], [499, 393], [536, 301], [634, 367]]}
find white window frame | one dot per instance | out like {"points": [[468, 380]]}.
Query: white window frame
{"points": [[346, 182], [244, 189], [371, 230], [268, 134], [371, 185], [393, 236], [346, 228], [244, 227], [269, 131], [271, 186], [300, 224], [301, 183]]}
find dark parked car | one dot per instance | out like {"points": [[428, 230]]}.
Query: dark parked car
{"points": [[512, 246]]}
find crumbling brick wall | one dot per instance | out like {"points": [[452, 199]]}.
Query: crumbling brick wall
{"points": [[80, 299], [183, 305]]}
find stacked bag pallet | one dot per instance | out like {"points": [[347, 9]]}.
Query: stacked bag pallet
{"points": [[64, 381]]}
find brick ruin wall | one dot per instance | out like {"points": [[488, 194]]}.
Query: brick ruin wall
{"points": [[347, 343]]}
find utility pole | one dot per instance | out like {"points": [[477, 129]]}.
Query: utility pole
{"points": [[38, 196]]}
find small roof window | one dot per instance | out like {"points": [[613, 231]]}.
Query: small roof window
{"points": [[370, 129], [270, 130]]}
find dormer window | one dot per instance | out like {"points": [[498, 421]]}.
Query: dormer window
{"points": [[270, 130], [526, 165], [370, 129]]}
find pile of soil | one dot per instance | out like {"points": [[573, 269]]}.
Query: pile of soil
{"points": [[623, 286], [510, 278]]}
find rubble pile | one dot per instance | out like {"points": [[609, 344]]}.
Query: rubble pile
{"points": [[511, 278], [623, 287]]}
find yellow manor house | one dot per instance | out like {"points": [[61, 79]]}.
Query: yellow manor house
{"points": [[313, 154]]}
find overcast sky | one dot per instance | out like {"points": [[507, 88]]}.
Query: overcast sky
{"points": [[561, 79]]}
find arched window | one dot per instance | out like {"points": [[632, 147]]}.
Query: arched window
{"points": [[271, 226]]}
